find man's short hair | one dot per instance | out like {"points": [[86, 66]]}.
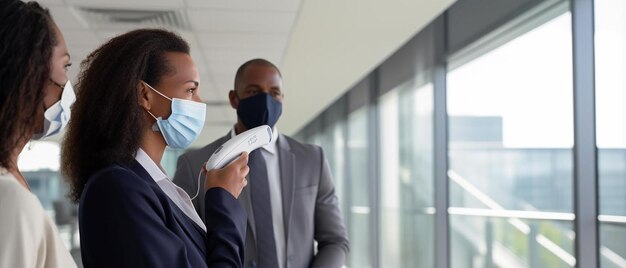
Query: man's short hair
{"points": [[259, 62]]}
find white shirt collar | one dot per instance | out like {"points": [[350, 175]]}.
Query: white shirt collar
{"points": [[175, 193], [156, 172], [270, 147]]}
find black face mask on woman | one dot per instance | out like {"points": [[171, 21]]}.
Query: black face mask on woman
{"points": [[258, 110]]}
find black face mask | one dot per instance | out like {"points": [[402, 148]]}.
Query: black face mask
{"points": [[258, 110]]}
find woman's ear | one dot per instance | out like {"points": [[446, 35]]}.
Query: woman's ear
{"points": [[144, 95]]}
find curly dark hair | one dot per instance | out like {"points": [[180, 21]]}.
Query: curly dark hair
{"points": [[107, 121], [28, 37]]}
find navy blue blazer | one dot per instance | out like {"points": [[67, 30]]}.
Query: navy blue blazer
{"points": [[126, 220]]}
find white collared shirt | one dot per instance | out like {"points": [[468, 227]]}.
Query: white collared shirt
{"points": [[175, 193], [270, 154]]}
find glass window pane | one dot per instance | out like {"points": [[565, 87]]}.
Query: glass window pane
{"points": [[359, 221], [333, 142], [42, 173], [315, 139], [510, 151], [406, 138], [500, 242], [610, 56]]}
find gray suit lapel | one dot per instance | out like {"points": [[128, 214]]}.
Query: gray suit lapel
{"points": [[287, 173]]}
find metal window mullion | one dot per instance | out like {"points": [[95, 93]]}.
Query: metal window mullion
{"points": [[346, 172], [585, 152], [442, 232], [374, 163]]}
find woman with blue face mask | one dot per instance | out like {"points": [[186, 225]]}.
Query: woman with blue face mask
{"points": [[35, 96], [137, 94]]}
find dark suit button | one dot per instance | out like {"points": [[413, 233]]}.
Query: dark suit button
{"points": [[252, 264]]}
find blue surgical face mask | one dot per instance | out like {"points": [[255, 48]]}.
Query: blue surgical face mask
{"points": [[57, 115], [185, 123], [260, 109]]}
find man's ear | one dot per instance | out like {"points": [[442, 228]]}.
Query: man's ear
{"points": [[234, 101], [144, 95]]}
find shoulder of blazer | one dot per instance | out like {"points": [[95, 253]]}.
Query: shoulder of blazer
{"points": [[298, 147], [120, 179], [123, 182]]}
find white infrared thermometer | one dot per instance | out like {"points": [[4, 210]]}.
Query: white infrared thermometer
{"points": [[247, 141]]}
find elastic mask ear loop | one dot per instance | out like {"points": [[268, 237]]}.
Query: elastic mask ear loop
{"points": [[151, 115], [155, 127], [198, 191], [170, 99]]}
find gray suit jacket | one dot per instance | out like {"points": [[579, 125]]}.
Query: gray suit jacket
{"points": [[310, 206]]}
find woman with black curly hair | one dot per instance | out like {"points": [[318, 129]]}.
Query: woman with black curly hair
{"points": [[137, 94], [33, 105]]}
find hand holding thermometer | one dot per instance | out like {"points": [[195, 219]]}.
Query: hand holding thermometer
{"points": [[247, 141]]}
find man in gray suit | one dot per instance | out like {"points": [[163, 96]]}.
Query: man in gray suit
{"points": [[290, 198]]}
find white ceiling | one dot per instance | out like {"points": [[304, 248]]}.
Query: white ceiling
{"points": [[335, 43], [321, 46]]}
